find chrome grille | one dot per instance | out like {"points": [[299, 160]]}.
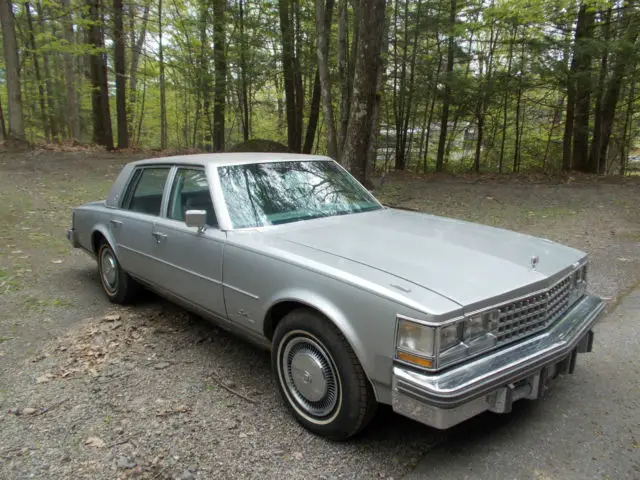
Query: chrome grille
{"points": [[534, 313]]}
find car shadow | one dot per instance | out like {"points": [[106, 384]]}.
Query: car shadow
{"points": [[388, 433]]}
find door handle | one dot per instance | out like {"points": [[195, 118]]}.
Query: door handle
{"points": [[159, 236], [115, 223]]}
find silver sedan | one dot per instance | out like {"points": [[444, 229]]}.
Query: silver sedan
{"points": [[359, 304]]}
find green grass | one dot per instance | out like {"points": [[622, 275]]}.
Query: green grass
{"points": [[41, 304], [8, 282]]}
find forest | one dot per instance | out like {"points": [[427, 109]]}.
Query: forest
{"points": [[439, 85]]}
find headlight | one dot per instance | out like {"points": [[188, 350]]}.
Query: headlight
{"points": [[480, 324], [449, 336], [414, 342], [473, 327], [432, 346], [578, 284], [415, 337]]}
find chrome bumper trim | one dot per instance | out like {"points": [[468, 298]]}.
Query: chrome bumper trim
{"points": [[464, 389], [71, 236]]}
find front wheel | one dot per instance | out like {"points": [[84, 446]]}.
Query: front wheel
{"points": [[319, 376]]}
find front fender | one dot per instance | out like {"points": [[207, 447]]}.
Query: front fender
{"points": [[336, 316], [328, 309]]}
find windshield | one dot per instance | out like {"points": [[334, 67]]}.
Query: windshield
{"points": [[262, 194]]}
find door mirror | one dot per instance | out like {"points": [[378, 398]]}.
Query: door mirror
{"points": [[196, 218]]}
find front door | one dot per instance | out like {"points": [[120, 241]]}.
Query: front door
{"points": [[191, 261]]}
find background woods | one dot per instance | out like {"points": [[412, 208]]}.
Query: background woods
{"points": [[456, 85]]}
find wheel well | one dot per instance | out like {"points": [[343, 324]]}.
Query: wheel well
{"points": [[278, 311], [96, 239]]}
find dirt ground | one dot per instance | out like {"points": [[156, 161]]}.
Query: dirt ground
{"points": [[92, 391]]}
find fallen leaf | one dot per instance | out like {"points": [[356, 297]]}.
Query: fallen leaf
{"points": [[94, 442], [112, 317], [44, 378]]}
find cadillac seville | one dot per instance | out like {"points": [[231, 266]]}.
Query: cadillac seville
{"points": [[359, 304]]}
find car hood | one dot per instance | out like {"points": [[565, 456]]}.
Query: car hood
{"points": [[468, 263]]}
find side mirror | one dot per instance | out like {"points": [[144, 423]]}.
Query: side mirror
{"points": [[196, 218]]}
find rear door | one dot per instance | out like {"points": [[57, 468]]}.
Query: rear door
{"points": [[191, 261], [132, 225]]}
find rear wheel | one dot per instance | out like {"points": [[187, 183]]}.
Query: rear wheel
{"points": [[117, 284], [319, 376]]}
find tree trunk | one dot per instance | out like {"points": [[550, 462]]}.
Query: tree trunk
{"points": [[623, 64], [517, 146], [447, 89], [554, 123], [203, 87], [141, 114], [597, 126], [407, 92], [626, 142], [297, 74], [480, 133], [3, 126], [567, 140], [375, 115], [505, 102], [121, 80], [431, 110], [102, 132], [246, 126], [343, 74], [163, 93], [314, 114], [220, 63], [323, 25], [138, 47], [70, 76], [484, 96], [582, 55], [36, 68], [459, 110], [288, 66], [48, 82], [398, 84], [370, 34]]}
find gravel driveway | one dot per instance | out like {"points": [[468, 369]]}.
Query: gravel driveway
{"points": [[92, 391]]}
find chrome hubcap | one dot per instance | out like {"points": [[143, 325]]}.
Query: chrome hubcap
{"points": [[310, 376], [109, 270]]}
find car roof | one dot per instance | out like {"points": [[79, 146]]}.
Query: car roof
{"points": [[219, 159]]}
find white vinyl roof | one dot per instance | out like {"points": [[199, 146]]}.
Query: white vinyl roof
{"points": [[218, 159]]}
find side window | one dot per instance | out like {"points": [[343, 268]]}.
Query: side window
{"points": [[145, 191], [190, 191]]}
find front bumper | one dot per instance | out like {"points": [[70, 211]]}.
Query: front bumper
{"points": [[496, 380]]}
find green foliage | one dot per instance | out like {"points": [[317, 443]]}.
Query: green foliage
{"points": [[510, 57]]}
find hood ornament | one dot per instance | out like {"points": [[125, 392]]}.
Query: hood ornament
{"points": [[534, 262]]}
